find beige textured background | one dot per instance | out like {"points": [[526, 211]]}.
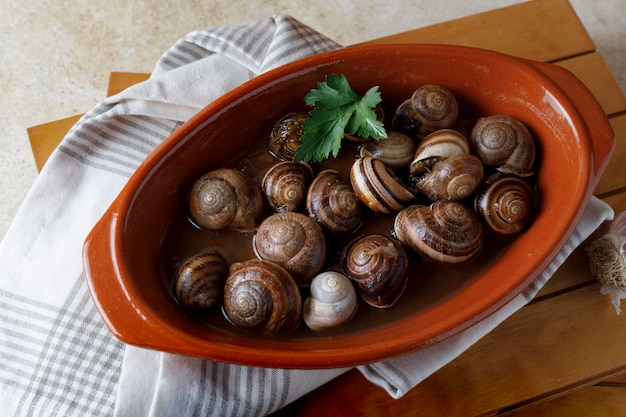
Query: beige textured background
{"points": [[56, 55]]}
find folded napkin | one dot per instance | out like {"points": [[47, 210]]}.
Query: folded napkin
{"points": [[57, 357]]}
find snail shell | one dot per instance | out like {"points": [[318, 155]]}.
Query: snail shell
{"points": [[504, 205], [262, 295], [436, 147], [505, 143], [225, 199], [454, 178], [286, 134], [294, 241], [378, 265], [199, 281], [396, 151], [377, 186], [431, 107], [333, 301], [445, 232], [332, 202], [285, 185]]}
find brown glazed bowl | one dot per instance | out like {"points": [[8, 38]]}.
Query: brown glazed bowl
{"points": [[123, 254]]}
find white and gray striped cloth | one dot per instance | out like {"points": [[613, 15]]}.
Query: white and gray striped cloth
{"points": [[56, 356]]}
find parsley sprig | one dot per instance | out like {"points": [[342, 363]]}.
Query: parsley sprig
{"points": [[337, 110]]}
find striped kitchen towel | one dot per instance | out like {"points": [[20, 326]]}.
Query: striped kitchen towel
{"points": [[56, 355]]}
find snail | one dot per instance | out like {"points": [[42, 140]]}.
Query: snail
{"points": [[285, 185], [436, 147], [396, 151], [504, 142], [294, 241], [332, 202], [286, 133], [260, 295], [199, 281], [332, 302], [504, 204], [378, 265], [378, 187], [454, 178], [225, 199], [431, 107], [444, 232]]}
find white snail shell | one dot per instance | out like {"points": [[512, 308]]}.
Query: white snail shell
{"points": [[378, 266], [199, 281], [378, 187], [436, 147], [396, 151], [332, 202], [285, 185], [445, 232], [505, 143], [294, 241], [333, 301], [454, 178], [225, 199], [260, 295]]}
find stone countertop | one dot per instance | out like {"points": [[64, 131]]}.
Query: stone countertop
{"points": [[57, 56]]}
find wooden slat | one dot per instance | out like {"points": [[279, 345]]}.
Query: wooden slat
{"points": [[45, 137], [613, 178], [120, 81], [520, 30]]}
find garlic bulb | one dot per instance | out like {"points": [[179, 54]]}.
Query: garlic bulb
{"points": [[607, 261]]}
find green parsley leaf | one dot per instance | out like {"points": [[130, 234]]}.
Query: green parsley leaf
{"points": [[337, 110]]}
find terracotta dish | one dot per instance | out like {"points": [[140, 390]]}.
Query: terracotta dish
{"points": [[123, 255]]}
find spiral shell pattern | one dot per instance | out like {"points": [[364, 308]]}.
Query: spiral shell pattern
{"points": [[505, 205], [332, 302], [261, 295], [225, 199], [295, 242], [505, 143], [436, 147], [434, 107], [445, 232], [378, 265], [454, 178], [285, 185], [199, 281], [396, 151], [332, 202], [378, 187]]}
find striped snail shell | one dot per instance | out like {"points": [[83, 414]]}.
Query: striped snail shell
{"points": [[199, 281], [436, 147], [445, 232], [332, 302], [286, 134], [294, 241], [396, 151], [505, 143], [285, 185], [260, 295], [378, 187], [504, 205], [332, 202], [378, 265], [454, 178], [431, 107], [226, 199]]}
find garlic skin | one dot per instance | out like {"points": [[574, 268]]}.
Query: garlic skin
{"points": [[607, 261]]}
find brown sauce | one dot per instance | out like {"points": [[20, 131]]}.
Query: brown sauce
{"points": [[428, 284]]}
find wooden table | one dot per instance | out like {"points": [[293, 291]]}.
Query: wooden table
{"points": [[566, 350]]}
